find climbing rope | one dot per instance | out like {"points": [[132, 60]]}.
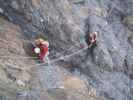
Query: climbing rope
{"points": [[64, 57]]}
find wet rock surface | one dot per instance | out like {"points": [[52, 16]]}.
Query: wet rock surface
{"points": [[105, 72]]}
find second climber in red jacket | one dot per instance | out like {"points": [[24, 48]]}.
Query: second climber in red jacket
{"points": [[91, 39], [42, 49]]}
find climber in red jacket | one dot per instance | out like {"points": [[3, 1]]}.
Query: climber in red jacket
{"points": [[91, 39], [42, 49]]}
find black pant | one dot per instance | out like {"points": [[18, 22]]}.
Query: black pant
{"points": [[90, 51]]}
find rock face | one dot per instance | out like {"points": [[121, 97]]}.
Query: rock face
{"points": [[106, 70], [12, 66]]}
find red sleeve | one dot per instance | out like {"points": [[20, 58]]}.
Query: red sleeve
{"points": [[45, 50]]}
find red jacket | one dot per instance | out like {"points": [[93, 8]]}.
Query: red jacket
{"points": [[43, 50], [92, 39]]}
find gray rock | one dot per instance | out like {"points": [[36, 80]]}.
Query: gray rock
{"points": [[129, 21], [107, 67]]}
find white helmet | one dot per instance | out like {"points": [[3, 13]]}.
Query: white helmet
{"points": [[37, 50], [96, 33]]}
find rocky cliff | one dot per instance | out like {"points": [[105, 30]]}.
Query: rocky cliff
{"points": [[104, 72]]}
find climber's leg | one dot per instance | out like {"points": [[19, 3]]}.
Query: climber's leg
{"points": [[92, 51], [46, 58]]}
